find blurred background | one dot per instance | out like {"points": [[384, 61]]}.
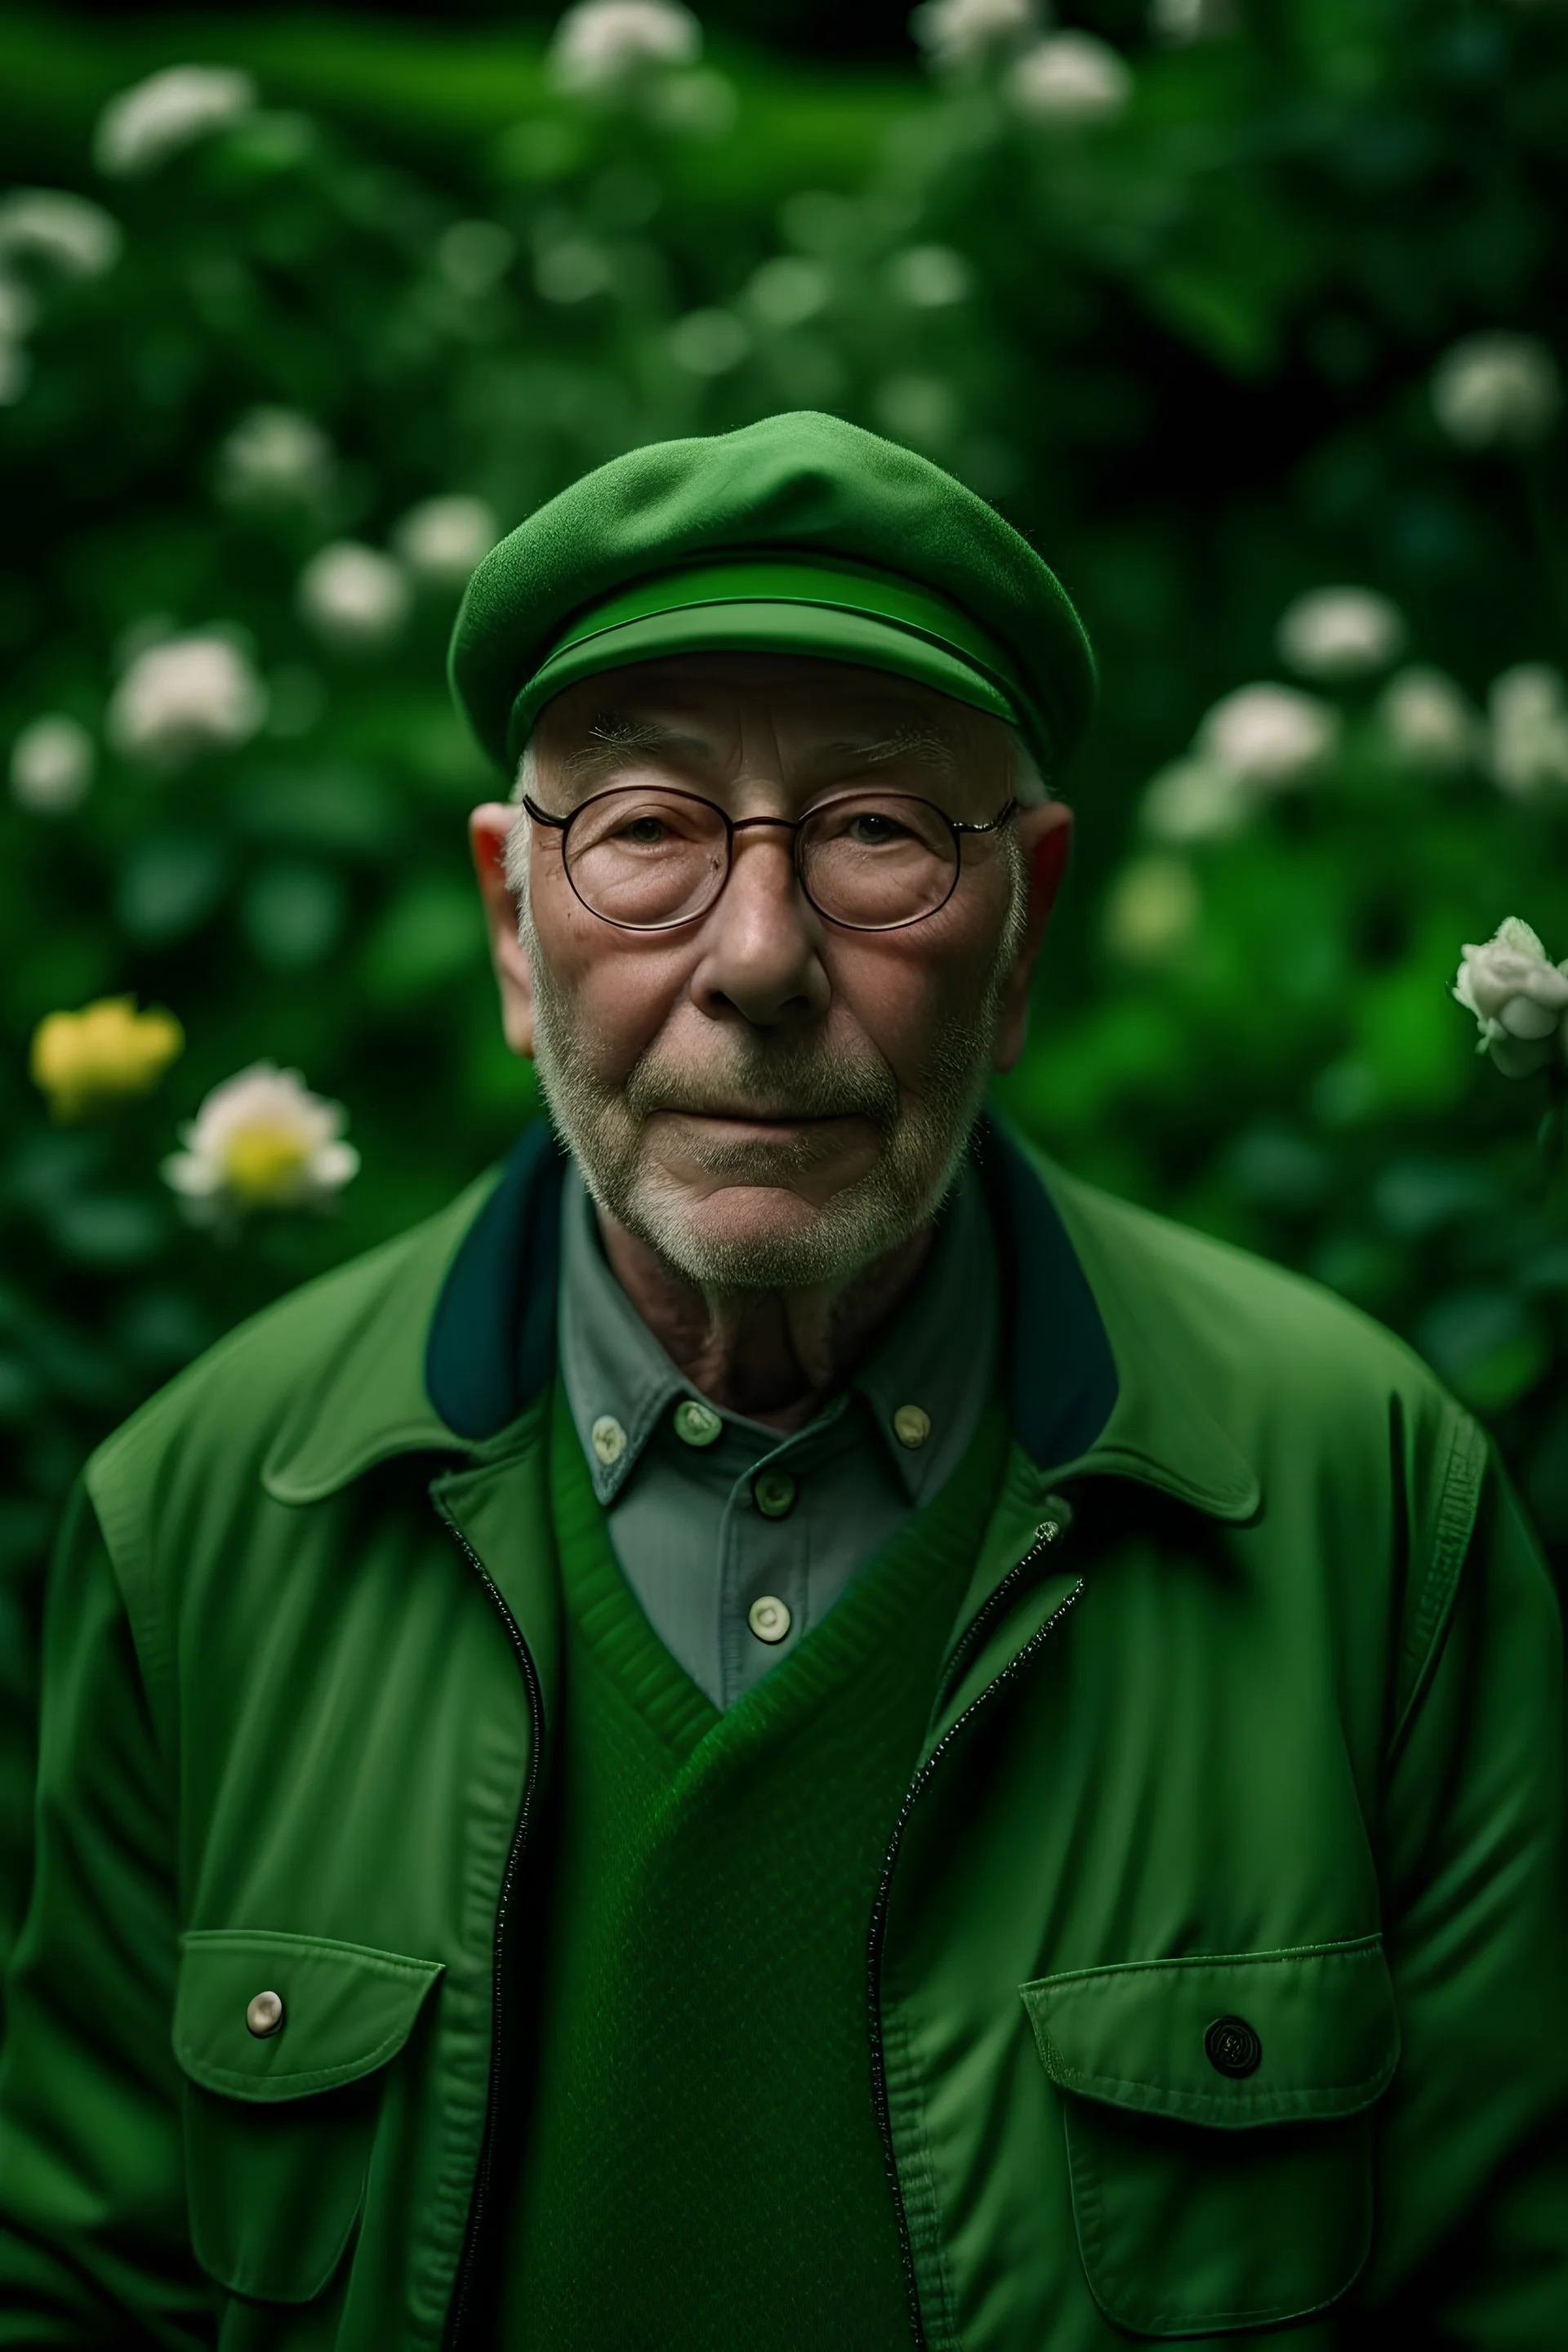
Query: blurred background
{"points": [[1247, 312]]}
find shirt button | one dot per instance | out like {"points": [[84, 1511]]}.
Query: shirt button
{"points": [[768, 1618], [609, 1439], [1232, 2047], [264, 2014], [911, 1427], [773, 1493], [697, 1423]]}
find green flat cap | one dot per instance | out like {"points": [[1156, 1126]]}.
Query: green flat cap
{"points": [[798, 534]]}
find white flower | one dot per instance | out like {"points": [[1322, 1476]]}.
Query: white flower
{"points": [[52, 762], [958, 33], [1191, 801], [1152, 910], [1529, 713], [788, 289], [354, 597], [1427, 722], [1270, 737], [930, 277], [262, 1140], [1496, 391], [1518, 996], [274, 456], [1069, 81], [154, 118], [441, 540], [708, 343], [186, 696], [1340, 632], [603, 45], [67, 232]]}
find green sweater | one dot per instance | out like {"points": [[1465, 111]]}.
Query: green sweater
{"points": [[703, 2167]]}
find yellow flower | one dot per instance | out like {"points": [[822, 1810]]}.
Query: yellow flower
{"points": [[84, 1061]]}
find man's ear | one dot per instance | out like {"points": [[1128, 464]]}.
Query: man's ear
{"points": [[1045, 836], [490, 828]]}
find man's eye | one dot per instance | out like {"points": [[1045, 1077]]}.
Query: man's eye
{"points": [[644, 831], [873, 829]]}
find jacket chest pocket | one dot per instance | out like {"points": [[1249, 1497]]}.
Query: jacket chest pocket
{"points": [[1218, 2126], [283, 2040]]}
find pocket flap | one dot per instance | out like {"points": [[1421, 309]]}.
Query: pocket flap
{"points": [[1234, 2040], [342, 2010]]}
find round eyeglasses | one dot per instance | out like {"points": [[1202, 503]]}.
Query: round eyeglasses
{"points": [[648, 857]]}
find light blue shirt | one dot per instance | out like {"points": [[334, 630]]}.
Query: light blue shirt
{"points": [[736, 1538]]}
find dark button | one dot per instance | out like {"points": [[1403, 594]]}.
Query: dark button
{"points": [[1232, 2047]]}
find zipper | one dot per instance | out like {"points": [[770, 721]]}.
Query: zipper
{"points": [[984, 1620], [1000, 1599], [519, 1837]]}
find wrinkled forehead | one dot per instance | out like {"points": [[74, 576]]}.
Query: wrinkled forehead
{"points": [[699, 709]]}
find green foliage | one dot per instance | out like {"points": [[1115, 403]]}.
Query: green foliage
{"points": [[1187, 347]]}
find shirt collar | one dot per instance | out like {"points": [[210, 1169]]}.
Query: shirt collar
{"points": [[619, 1378]]}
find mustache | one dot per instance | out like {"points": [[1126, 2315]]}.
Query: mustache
{"points": [[812, 1082]]}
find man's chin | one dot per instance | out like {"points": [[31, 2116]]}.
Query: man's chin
{"points": [[756, 1236]]}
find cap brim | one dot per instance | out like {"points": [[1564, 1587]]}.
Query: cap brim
{"points": [[828, 612]]}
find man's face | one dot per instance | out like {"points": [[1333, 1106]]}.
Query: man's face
{"points": [[766, 1098]]}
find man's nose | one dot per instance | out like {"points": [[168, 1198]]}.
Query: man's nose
{"points": [[762, 945]]}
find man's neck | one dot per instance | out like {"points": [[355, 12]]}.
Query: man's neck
{"points": [[773, 1355]]}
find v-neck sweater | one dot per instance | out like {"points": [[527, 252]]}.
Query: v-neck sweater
{"points": [[704, 2167]]}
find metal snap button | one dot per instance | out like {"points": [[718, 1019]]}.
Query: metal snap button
{"points": [[1232, 2047], [697, 1423], [264, 2014], [773, 1493], [768, 1618]]}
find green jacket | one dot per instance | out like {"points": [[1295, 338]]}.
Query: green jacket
{"points": [[1216, 1976]]}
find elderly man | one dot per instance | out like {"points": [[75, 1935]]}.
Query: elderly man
{"points": [[786, 1729]]}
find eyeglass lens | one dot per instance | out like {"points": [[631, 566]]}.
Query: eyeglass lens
{"points": [[646, 858]]}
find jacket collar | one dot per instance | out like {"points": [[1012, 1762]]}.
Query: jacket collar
{"points": [[452, 1352]]}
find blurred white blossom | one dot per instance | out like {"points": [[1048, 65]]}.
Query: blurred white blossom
{"points": [[1069, 81], [441, 540], [1496, 391], [274, 456], [1528, 708], [52, 760], [261, 1139], [67, 232], [1427, 721], [1270, 737], [930, 277], [1152, 910], [1336, 634], [1518, 996], [788, 289], [602, 44], [1192, 800], [185, 696], [959, 33], [143, 125], [354, 596]]}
